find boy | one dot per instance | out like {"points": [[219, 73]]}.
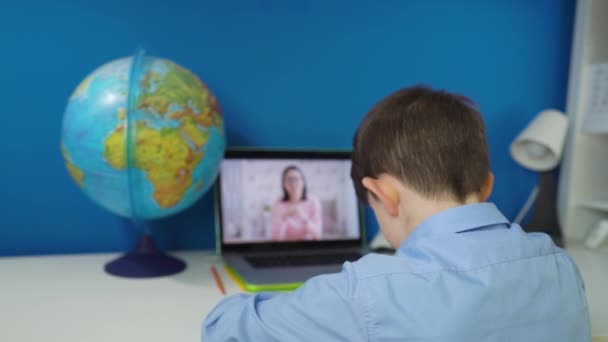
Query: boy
{"points": [[461, 272]]}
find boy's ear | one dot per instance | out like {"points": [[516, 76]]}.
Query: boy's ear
{"points": [[486, 189], [384, 192]]}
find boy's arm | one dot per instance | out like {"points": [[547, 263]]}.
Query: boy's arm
{"points": [[322, 309]]}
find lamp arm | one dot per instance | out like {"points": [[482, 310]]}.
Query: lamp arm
{"points": [[527, 206]]}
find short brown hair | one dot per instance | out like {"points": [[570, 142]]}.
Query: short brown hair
{"points": [[433, 141]]}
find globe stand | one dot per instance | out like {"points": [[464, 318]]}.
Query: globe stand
{"points": [[145, 261]]}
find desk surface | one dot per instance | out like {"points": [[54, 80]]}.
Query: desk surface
{"points": [[70, 298]]}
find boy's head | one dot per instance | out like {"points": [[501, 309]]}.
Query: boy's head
{"points": [[424, 143]]}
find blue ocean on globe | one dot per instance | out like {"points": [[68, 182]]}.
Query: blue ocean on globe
{"points": [[143, 137]]}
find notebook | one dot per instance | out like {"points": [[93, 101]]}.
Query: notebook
{"points": [[285, 216]]}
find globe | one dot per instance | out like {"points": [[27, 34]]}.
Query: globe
{"points": [[142, 137]]}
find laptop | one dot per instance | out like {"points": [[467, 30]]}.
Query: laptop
{"points": [[283, 217]]}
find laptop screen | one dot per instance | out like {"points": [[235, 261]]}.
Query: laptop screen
{"points": [[286, 199]]}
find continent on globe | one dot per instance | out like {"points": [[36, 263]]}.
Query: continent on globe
{"points": [[198, 137], [74, 171], [164, 155], [82, 88], [199, 186], [180, 87]]}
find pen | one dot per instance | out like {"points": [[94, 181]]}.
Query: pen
{"points": [[218, 280]]}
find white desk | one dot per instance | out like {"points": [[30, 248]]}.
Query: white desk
{"points": [[70, 298]]}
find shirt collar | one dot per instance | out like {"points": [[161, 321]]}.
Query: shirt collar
{"points": [[456, 220]]}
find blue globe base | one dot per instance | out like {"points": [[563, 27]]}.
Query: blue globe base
{"points": [[146, 261]]}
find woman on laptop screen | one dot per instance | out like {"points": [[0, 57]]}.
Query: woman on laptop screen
{"points": [[297, 214]]}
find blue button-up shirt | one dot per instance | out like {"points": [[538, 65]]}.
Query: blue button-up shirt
{"points": [[464, 274]]}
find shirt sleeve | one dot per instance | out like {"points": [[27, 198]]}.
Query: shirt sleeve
{"points": [[323, 309]]}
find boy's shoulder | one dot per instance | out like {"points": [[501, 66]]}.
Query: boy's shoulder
{"points": [[375, 264], [462, 256]]}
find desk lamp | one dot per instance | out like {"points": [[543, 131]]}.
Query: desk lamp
{"points": [[539, 148]]}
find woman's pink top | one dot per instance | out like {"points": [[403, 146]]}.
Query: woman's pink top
{"points": [[296, 221]]}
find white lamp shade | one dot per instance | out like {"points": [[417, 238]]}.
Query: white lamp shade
{"points": [[539, 146]]}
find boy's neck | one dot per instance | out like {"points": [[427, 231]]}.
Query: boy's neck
{"points": [[420, 209]]}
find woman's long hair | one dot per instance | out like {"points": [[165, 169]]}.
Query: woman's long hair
{"points": [[285, 194]]}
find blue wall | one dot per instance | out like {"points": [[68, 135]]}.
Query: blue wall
{"points": [[286, 73]]}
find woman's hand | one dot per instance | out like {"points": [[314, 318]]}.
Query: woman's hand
{"points": [[301, 213], [291, 212], [295, 211]]}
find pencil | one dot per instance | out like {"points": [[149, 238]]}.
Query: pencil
{"points": [[218, 280]]}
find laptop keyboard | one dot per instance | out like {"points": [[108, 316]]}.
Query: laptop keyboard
{"points": [[301, 260]]}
